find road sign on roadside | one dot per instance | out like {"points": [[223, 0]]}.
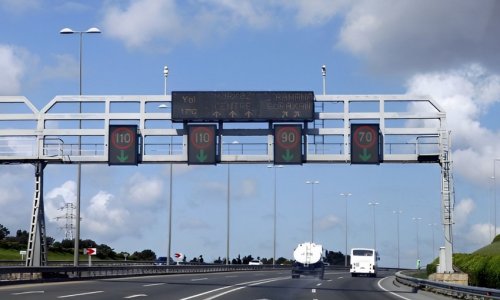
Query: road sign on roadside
{"points": [[122, 146], [90, 251], [365, 144]]}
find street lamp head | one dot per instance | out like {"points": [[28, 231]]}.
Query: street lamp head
{"points": [[345, 194], [93, 30], [66, 31], [312, 182], [71, 31]]}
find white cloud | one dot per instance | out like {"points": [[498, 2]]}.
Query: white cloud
{"points": [[19, 6], [462, 211], [465, 94], [104, 220], [247, 189], [422, 35], [65, 67], [13, 66], [477, 236], [143, 190], [328, 222], [141, 23], [193, 224], [312, 13]]}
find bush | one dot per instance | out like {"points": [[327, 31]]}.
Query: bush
{"points": [[483, 270]]}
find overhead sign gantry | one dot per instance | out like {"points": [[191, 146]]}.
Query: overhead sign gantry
{"points": [[300, 127]]}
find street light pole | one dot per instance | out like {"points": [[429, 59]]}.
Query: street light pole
{"points": [[228, 210], [312, 183], [323, 73], [433, 225], [169, 248], [397, 212], [274, 222], [417, 220], [79, 166], [373, 204], [345, 195], [495, 198]]}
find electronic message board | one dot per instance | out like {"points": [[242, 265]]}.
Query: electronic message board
{"points": [[201, 144], [287, 144], [232, 106], [365, 144], [122, 146]]}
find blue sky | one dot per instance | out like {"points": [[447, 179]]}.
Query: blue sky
{"points": [[383, 47]]}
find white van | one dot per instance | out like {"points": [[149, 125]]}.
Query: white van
{"points": [[364, 261]]}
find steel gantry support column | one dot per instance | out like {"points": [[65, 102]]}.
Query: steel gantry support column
{"points": [[446, 266], [37, 242]]}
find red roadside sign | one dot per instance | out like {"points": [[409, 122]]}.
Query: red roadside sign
{"points": [[90, 251]]}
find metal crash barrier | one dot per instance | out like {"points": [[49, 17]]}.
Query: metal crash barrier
{"points": [[448, 289]]}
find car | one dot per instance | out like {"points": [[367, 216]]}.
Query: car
{"points": [[162, 261], [255, 262]]}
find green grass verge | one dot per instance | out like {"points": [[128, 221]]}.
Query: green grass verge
{"points": [[12, 254]]}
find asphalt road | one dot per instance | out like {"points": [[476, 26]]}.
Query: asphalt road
{"points": [[222, 286]]}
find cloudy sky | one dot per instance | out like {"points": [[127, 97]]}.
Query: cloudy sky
{"points": [[446, 49]]}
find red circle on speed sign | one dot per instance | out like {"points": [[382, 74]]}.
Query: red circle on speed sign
{"points": [[288, 137], [122, 138], [201, 137], [365, 136]]}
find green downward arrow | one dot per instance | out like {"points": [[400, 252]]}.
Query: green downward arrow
{"points": [[202, 156], [365, 156], [288, 156], [122, 157]]}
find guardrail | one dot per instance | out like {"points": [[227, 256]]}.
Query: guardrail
{"points": [[449, 289], [9, 275]]}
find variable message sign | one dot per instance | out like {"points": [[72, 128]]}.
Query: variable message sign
{"points": [[365, 144], [242, 106], [287, 144], [122, 146], [201, 145]]}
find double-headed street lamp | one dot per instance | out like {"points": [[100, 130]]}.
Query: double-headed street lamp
{"points": [[274, 222], [79, 168], [312, 183], [345, 195]]}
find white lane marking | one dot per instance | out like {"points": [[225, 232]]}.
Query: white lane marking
{"points": [[244, 286], [231, 276], [135, 296], [319, 284], [380, 286], [82, 294], [153, 284], [199, 279], [313, 291], [30, 292], [241, 286], [341, 277]]}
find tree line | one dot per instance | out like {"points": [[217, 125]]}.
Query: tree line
{"points": [[19, 241]]}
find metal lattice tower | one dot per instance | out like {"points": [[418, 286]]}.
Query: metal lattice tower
{"points": [[69, 218]]}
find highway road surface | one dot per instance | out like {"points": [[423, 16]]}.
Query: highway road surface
{"points": [[255, 285]]}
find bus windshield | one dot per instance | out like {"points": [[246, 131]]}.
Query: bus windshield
{"points": [[362, 252]]}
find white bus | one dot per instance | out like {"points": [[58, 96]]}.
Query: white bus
{"points": [[364, 261]]}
